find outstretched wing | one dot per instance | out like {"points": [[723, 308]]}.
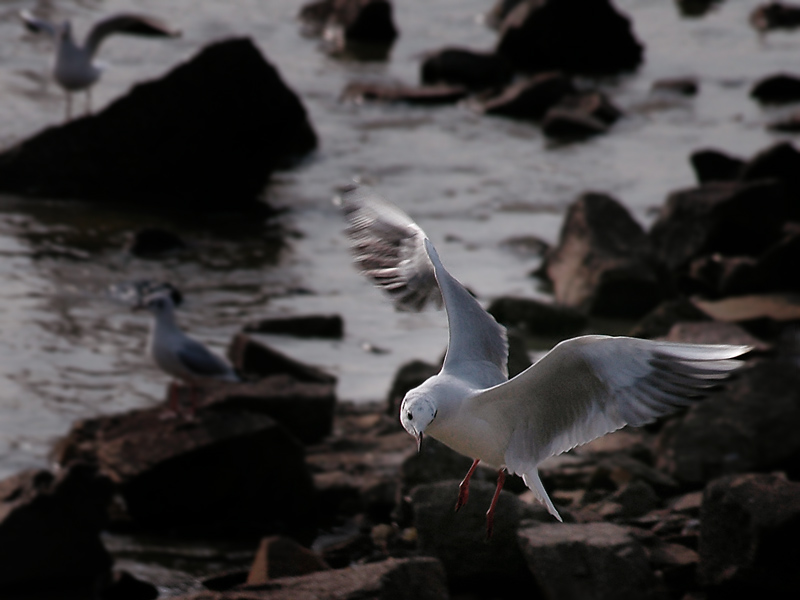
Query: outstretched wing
{"points": [[394, 252], [36, 25], [127, 23], [592, 385]]}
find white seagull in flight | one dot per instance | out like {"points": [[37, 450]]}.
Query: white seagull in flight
{"points": [[74, 68], [178, 355], [582, 389]]}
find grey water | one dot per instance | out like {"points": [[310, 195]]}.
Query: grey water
{"points": [[68, 351]]}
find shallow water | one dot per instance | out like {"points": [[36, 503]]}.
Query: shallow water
{"points": [[67, 351]]}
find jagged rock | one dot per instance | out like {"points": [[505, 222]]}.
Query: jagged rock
{"points": [[537, 317], [50, 531], [730, 218], [153, 242], [775, 15], [602, 263], [420, 578], [278, 557], [304, 408], [776, 89], [223, 472], [313, 326], [458, 539], [424, 95], [471, 69], [686, 86], [531, 98], [748, 426], [583, 36], [589, 560], [748, 523], [714, 165], [255, 359], [147, 147]]}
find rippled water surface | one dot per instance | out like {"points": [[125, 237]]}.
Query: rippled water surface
{"points": [[67, 351]]}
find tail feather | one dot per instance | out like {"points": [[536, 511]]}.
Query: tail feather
{"points": [[533, 482]]}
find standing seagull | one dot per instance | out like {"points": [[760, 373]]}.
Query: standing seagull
{"points": [[582, 389], [178, 355], [74, 68]]}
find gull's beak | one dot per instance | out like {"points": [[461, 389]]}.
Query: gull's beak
{"points": [[419, 441]]}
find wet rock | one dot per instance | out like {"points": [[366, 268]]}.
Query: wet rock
{"points": [[695, 8], [580, 115], [781, 162], [146, 147], [748, 426], [309, 326], [775, 15], [50, 530], [577, 36], [685, 86], [748, 525], [659, 321], [729, 218], [602, 262], [420, 578], [714, 165], [125, 586], [458, 539], [258, 360], [306, 409], [424, 95], [360, 21], [776, 89], [278, 557], [153, 242], [590, 560], [232, 473], [468, 68], [537, 317], [530, 99], [408, 376]]}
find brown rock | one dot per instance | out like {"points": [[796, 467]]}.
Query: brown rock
{"points": [[256, 359], [278, 557]]}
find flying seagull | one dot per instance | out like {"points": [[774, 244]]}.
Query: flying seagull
{"points": [[178, 355], [582, 389], [74, 68]]}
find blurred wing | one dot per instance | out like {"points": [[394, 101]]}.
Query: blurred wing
{"points": [[200, 361], [130, 24], [388, 249], [592, 385], [37, 25]]}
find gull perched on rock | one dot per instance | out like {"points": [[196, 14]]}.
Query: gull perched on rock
{"points": [[74, 68], [178, 355], [582, 389]]}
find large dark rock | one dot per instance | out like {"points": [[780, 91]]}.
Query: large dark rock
{"points": [[460, 66], [305, 326], [776, 89], [50, 530], [583, 36], [601, 561], [775, 15], [780, 162], [458, 539], [205, 136], [748, 426], [257, 360], [232, 473], [748, 525], [531, 98], [730, 218], [714, 165], [602, 263]]}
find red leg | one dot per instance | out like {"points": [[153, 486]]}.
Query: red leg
{"points": [[463, 487], [501, 479], [172, 402]]}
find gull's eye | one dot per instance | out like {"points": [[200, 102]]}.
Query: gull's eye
{"points": [[410, 416]]}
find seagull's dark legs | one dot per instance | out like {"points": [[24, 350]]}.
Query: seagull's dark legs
{"points": [[463, 487], [501, 479]]}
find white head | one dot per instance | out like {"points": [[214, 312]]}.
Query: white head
{"points": [[416, 413]]}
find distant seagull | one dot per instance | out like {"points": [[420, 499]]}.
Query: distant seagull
{"points": [[582, 389], [180, 356], [74, 69]]}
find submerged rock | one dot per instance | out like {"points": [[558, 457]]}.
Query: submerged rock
{"points": [[205, 136], [777, 89], [576, 36], [471, 69], [530, 99], [423, 95], [50, 531]]}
